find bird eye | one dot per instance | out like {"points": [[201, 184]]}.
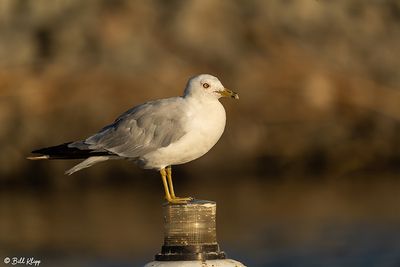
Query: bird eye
{"points": [[206, 85]]}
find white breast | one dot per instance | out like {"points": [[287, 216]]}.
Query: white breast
{"points": [[206, 123]]}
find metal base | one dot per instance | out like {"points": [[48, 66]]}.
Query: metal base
{"points": [[209, 263], [190, 252]]}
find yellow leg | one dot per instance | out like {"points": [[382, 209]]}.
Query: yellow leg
{"points": [[164, 180], [169, 187], [169, 177]]}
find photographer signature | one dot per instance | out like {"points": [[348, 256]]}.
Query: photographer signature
{"points": [[29, 261]]}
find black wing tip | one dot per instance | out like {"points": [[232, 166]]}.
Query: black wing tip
{"points": [[45, 150], [63, 151]]}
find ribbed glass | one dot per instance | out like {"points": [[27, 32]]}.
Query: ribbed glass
{"points": [[190, 224]]}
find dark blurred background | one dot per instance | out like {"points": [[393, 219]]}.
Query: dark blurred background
{"points": [[306, 173]]}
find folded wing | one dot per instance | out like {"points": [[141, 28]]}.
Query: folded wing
{"points": [[141, 130]]}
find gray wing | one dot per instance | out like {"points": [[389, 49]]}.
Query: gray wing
{"points": [[142, 129]]}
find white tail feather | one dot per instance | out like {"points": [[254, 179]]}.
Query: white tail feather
{"points": [[86, 163], [38, 157]]}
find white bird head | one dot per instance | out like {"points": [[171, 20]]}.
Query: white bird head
{"points": [[206, 85]]}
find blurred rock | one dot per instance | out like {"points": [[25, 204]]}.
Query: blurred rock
{"points": [[318, 80]]}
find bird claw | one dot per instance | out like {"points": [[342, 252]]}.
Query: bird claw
{"points": [[180, 200]]}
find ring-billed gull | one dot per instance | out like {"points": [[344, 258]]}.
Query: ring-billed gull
{"points": [[156, 134]]}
